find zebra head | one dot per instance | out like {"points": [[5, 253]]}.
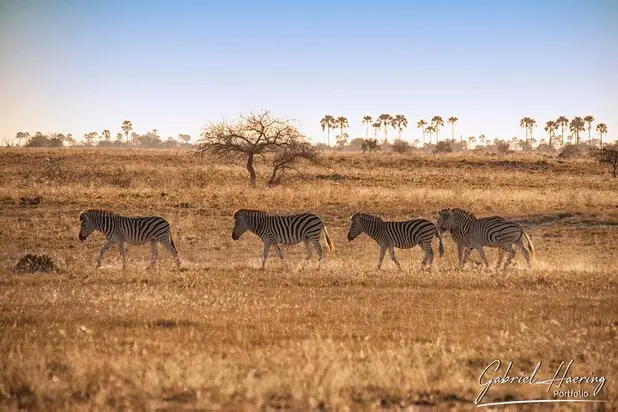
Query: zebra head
{"points": [[244, 220], [446, 220], [357, 227], [87, 227]]}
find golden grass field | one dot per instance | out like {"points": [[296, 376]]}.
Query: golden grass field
{"points": [[219, 334]]}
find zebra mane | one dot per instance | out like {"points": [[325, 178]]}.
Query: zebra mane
{"points": [[366, 216], [96, 211], [251, 211], [463, 212]]}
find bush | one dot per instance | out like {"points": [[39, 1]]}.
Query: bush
{"points": [[607, 155], [400, 146], [443, 147], [370, 145], [573, 151], [34, 263]]}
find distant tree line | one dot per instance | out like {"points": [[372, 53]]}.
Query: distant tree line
{"points": [[128, 138], [430, 130]]}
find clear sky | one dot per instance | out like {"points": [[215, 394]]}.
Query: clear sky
{"points": [[76, 66]]}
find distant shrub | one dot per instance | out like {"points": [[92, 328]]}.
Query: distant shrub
{"points": [[545, 148], [370, 145], [35, 263], [400, 146], [445, 146], [573, 151], [503, 147], [607, 155]]}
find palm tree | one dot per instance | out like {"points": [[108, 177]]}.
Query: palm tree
{"points": [[421, 125], [452, 120], [385, 120], [367, 120], [472, 141], [531, 125], [22, 136], [106, 135], [589, 119], [430, 130], [127, 126], [437, 123], [524, 123], [327, 123], [562, 122], [342, 123], [601, 130], [399, 122], [482, 139], [376, 126], [119, 137], [550, 126], [577, 125]]}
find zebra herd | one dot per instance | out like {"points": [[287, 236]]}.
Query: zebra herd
{"points": [[468, 232]]}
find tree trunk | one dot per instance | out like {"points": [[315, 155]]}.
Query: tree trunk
{"points": [[328, 133], [562, 137], [367, 131], [273, 176], [589, 139], [453, 131], [251, 170]]}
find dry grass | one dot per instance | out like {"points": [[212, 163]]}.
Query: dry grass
{"points": [[220, 334]]}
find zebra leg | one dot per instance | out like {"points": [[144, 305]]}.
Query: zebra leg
{"points": [[318, 249], [393, 258], [154, 254], [460, 254], [173, 251], [123, 253], [280, 254], [512, 254], [381, 258], [524, 250], [482, 253], [500, 256], [266, 250], [102, 253], [309, 250], [429, 253]]}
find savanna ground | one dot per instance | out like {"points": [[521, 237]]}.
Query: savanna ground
{"points": [[219, 334]]}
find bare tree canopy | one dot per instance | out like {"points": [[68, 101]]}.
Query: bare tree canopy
{"points": [[257, 134]]}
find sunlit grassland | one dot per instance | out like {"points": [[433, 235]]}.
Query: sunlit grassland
{"points": [[220, 334]]}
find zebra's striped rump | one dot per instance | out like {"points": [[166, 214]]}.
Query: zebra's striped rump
{"points": [[131, 230], [282, 229], [494, 231], [401, 235]]}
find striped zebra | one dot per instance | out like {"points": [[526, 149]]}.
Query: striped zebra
{"points": [[132, 230], [495, 231], [282, 229], [401, 235]]}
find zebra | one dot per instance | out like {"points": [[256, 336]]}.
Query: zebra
{"points": [[494, 231], [401, 235], [132, 230], [282, 229]]}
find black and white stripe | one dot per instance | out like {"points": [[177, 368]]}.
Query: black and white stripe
{"points": [[282, 229], [401, 235], [495, 231], [132, 230]]}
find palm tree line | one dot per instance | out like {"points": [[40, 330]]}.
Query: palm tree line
{"points": [[575, 126], [399, 122], [384, 122]]}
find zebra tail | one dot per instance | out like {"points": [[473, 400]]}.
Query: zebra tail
{"points": [[529, 243], [441, 245], [172, 242], [329, 242]]}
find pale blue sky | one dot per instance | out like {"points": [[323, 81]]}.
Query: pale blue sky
{"points": [[75, 66]]}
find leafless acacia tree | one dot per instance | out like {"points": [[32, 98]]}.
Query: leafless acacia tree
{"points": [[258, 135]]}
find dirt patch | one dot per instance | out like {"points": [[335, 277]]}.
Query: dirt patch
{"points": [[35, 263], [567, 219]]}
